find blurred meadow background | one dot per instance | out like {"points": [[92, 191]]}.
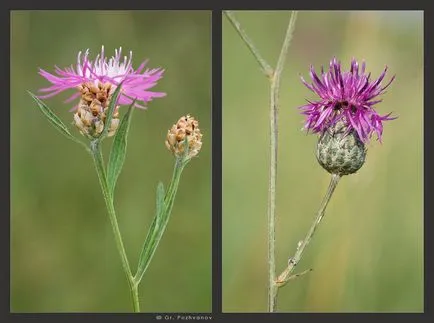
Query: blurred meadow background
{"points": [[367, 255], [63, 253]]}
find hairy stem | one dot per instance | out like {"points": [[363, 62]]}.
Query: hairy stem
{"points": [[292, 263], [274, 109], [102, 176], [274, 78]]}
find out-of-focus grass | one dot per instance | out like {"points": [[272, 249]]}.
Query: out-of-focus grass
{"points": [[63, 254], [367, 255]]}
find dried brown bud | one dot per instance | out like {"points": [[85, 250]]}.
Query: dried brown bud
{"points": [[91, 112], [186, 128]]}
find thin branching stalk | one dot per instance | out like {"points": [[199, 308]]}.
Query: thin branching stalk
{"points": [[274, 78], [265, 67], [285, 276]]}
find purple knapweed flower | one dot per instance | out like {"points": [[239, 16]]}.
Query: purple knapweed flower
{"points": [[118, 69], [345, 97]]}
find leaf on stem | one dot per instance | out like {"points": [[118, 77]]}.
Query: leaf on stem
{"points": [[110, 112], [118, 150], [54, 120], [154, 234], [160, 201], [161, 219]]}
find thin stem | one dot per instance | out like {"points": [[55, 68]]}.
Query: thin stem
{"points": [[292, 263], [274, 109], [100, 169], [135, 297], [265, 67], [274, 77], [285, 46]]}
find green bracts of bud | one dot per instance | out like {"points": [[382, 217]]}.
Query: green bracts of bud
{"points": [[339, 152]]}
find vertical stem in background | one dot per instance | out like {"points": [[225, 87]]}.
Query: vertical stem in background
{"points": [[274, 78], [135, 297], [100, 169], [272, 288], [274, 109]]}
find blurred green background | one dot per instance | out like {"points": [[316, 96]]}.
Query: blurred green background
{"points": [[63, 254], [367, 255]]}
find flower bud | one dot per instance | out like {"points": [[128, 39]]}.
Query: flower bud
{"points": [[340, 152], [186, 130]]}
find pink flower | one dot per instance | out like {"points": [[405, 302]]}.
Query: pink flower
{"points": [[135, 83]]}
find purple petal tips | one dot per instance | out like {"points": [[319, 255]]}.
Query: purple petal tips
{"points": [[347, 97]]}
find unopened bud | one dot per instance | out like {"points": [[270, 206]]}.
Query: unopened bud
{"points": [[339, 152], [186, 130]]}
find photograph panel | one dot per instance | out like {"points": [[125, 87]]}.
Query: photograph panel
{"points": [[131, 230], [349, 122]]}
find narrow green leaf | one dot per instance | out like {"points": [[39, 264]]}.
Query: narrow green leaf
{"points": [[118, 150], [110, 111], [55, 120], [160, 201], [154, 234], [159, 224]]}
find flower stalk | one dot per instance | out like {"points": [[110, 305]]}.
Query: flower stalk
{"points": [[285, 276], [97, 157]]}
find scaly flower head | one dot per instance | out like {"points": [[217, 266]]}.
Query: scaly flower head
{"points": [[185, 131], [348, 97]]}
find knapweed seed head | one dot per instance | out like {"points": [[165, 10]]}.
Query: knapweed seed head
{"points": [[344, 115], [94, 83], [186, 130]]}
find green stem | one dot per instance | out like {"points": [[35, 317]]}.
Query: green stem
{"points": [[96, 153], [274, 78], [274, 109], [292, 263], [135, 297], [265, 67], [159, 222]]}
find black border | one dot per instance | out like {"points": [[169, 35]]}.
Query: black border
{"points": [[216, 160]]}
